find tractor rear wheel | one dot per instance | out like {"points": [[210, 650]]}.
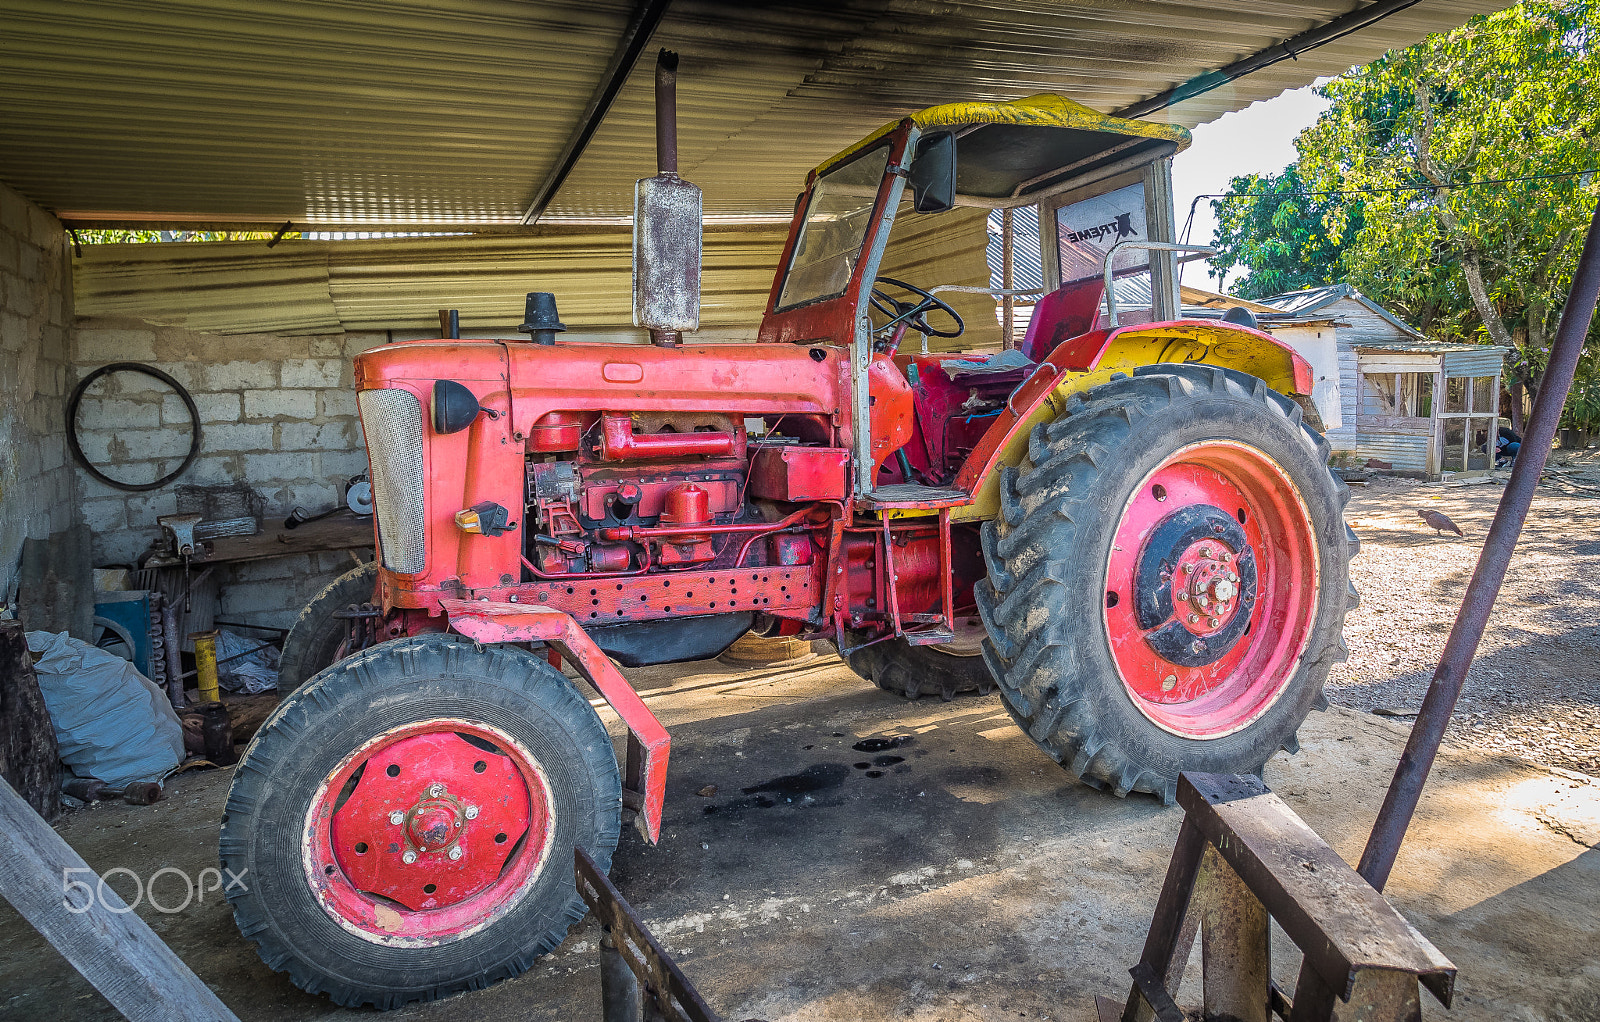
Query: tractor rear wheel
{"points": [[404, 824], [1168, 578], [945, 670], [314, 641]]}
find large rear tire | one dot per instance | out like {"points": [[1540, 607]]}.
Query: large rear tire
{"points": [[403, 825], [313, 643], [1168, 578], [895, 665]]}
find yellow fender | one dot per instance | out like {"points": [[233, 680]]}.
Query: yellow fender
{"points": [[1092, 359]]}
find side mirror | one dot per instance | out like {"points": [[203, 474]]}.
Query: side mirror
{"points": [[933, 173]]}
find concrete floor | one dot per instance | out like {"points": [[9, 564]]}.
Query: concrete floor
{"points": [[973, 880]]}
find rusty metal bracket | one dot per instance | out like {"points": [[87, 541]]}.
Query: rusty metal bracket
{"points": [[644, 787], [657, 984], [1242, 858]]}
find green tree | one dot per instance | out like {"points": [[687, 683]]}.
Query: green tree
{"points": [[1409, 140], [1509, 95], [1284, 238], [90, 236]]}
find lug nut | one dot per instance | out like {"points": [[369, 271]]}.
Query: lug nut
{"points": [[436, 790], [471, 812], [1188, 569], [397, 817], [409, 857], [1203, 600], [1205, 551], [455, 853], [1194, 619], [1215, 622], [1226, 557]]}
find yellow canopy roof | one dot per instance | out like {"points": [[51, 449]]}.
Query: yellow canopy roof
{"points": [[1009, 151]]}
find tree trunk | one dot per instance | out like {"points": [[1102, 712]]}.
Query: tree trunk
{"points": [[29, 760]]}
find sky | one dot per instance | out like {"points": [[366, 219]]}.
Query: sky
{"points": [[1258, 139]]}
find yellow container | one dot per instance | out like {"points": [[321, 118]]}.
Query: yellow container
{"points": [[205, 664]]}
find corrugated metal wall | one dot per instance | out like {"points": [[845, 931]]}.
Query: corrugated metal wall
{"points": [[325, 287], [1487, 362], [1405, 453]]}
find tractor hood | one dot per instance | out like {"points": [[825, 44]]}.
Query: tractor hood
{"points": [[1010, 154]]}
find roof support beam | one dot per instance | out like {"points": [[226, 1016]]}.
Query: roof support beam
{"points": [[1338, 28], [632, 43]]}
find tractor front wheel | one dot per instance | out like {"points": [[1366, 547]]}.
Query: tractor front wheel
{"points": [[1168, 578], [402, 827]]}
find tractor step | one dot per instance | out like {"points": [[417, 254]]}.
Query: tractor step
{"points": [[911, 495], [930, 637]]}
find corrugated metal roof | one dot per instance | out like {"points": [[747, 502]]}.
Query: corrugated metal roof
{"points": [[406, 113], [1302, 304]]}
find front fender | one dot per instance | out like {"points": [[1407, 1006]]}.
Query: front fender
{"points": [[644, 777], [1091, 359]]}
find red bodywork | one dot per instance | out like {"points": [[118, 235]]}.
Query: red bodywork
{"points": [[644, 483]]}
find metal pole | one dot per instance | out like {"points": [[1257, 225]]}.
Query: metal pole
{"points": [[619, 987], [666, 112], [1412, 772], [172, 649], [1008, 302]]}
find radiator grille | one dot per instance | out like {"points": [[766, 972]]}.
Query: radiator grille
{"points": [[392, 421]]}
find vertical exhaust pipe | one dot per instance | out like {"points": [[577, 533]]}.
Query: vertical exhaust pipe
{"points": [[667, 225], [667, 113]]}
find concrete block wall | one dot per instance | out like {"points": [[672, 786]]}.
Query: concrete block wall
{"points": [[37, 493], [277, 414]]}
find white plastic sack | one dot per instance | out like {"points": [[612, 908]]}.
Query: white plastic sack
{"points": [[111, 722], [254, 672]]}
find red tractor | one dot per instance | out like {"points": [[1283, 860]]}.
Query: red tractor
{"points": [[1129, 528]]}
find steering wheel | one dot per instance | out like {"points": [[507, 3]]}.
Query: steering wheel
{"points": [[913, 313]]}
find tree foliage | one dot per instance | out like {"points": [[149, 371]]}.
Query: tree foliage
{"points": [[1285, 238], [90, 236], [1409, 138]]}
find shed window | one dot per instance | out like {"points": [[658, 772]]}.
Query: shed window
{"points": [[1399, 394], [1469, 423]]}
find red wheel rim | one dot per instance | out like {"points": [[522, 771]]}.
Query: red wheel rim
{"points": [[428, 832], [1211, 589]]}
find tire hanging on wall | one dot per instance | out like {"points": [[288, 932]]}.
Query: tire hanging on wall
{"points": [[314, 642]]}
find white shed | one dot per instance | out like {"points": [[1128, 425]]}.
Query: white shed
{"points": [[1416, 406]]}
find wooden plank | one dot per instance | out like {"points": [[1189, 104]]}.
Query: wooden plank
{"points": [[1403, 425], [1331, 913], [92, 927], [344, 531], [29, 759]]}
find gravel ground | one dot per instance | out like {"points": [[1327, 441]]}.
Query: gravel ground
{"points": [[1534, 689]]}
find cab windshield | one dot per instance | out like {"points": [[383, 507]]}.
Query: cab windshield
{"points": [[835, 229]]}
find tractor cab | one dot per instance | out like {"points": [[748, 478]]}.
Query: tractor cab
{"points": [[1075, 164]]}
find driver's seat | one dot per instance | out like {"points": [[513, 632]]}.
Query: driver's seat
{"points": [[1064, 313]]}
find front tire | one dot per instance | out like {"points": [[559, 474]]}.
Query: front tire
{"points": [[1168, 578], [404, 823]]}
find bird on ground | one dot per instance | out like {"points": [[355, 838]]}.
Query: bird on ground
{"points": [[1438, 522]]}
